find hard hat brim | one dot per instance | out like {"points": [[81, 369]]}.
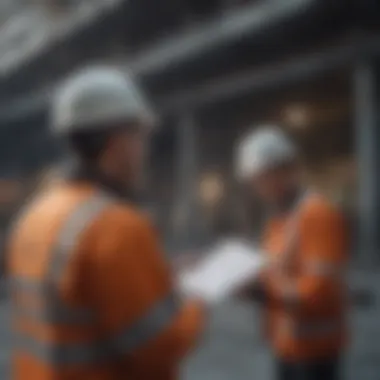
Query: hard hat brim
{"points": [[149, 121]]}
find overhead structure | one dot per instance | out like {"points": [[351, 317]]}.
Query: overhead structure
{"points": [[262, 47], [247, 21], [29, 32], [282, 73], [157, 60]]}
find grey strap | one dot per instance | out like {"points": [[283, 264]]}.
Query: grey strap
{"points": [[324, 269], [46, 311], [154, 322], [70, 233], [292, 229], [121, 344], [310, 330], [53, 310], [156, 319]]}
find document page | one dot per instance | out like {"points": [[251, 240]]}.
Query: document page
{"points": [[223, 271]]}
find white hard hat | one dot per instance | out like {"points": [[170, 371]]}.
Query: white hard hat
{"points": [[96, 97], [263, 149]]}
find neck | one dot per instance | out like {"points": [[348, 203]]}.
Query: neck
{"points": [[288, 200], [110, 172], [104, 176]]}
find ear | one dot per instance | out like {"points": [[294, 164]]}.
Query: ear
{"points": [[111, 147], [112, 141], [117, 141]]}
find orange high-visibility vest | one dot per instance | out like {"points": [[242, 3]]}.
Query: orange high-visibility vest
{"points": [[92, 295], [315, 325]]}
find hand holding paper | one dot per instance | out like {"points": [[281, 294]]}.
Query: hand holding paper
{"points": [[222, 272]]}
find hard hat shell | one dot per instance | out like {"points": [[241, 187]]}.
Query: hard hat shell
{"points": [[96, 97], [262, 149]]}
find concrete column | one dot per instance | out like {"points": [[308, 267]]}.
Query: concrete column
{"points": [[367, 102], [186, 177]]}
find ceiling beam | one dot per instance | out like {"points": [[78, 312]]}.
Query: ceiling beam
{"points": [[246, 21], [295, 70]]}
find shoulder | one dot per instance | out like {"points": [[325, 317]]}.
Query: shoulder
{"points": [[120, 215], [318, 209], [323, 227], [122, 236], [122, 227], [28, 216]]}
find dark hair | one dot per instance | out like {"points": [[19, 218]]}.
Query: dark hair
{"points": [[89, 145]]}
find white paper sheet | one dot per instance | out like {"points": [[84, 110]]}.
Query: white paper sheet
{"points": [[222, 272]]}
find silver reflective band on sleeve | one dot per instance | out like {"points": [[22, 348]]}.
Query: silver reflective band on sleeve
{"points": [[53, 310], [125, 342], [320, 329], [159, 317], [323, 269], [44, 311], [55, 316], [290, 292], [307, 330]]}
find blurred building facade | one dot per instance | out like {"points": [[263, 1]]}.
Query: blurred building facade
{"points": [[214, 69]]}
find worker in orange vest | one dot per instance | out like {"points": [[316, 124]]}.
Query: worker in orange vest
{"points": [[306, 244], [93, 296]]}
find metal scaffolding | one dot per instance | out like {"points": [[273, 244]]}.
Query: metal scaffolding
{"points": [[187, 172], [366, 92], [285, 73]]}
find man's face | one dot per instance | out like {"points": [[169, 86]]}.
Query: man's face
{"points": [[128, 150], [273, 185]]}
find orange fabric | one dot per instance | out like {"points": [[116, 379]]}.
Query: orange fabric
{"points": [[320, 299], [117, 270]]}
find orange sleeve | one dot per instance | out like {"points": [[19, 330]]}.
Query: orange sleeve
{"points": [[150, 327], [324, 249]]}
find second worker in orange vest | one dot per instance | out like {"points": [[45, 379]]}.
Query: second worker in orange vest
{"points": [[93, 296], [306, 243]]}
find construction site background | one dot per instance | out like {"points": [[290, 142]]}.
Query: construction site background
{"points": [[213, 69]]}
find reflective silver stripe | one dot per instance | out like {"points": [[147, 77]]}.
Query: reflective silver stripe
{"points": [[53, 310], [69, 235], [307, 330], [323, 269], [292, 228], [142, 332], [55, 316], [38, 291], [22, 285], [304, 330], [290, 292], [149, 326]]}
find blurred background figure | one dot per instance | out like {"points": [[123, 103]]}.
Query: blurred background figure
{"points": [[306, 242], [212, 71]]}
